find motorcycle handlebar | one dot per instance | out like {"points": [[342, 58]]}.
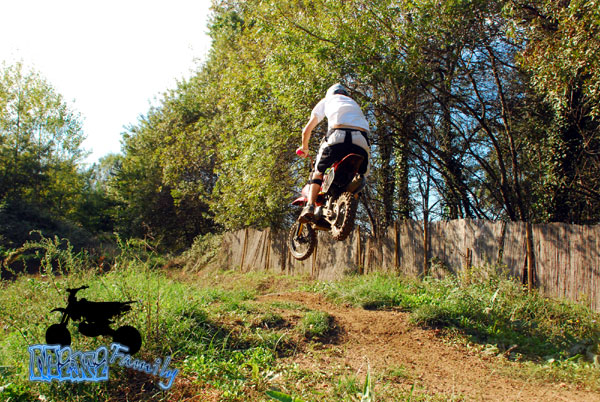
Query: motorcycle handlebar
{"points": [[77, 289], [300, 153]]}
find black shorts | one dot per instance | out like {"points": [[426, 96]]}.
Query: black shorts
{"points": [[337, 152]]}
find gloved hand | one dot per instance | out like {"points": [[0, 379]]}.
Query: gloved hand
{"points": [[302, 152]]}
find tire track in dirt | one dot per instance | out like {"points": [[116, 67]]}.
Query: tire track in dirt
{"points": [[384, 339]]}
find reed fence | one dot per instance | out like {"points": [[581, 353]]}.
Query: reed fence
{"points": [[565, 259]]}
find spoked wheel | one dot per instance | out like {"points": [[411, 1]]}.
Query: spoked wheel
{"points": [[345, 214], [58, 334], [130, 337], [303, 240]]}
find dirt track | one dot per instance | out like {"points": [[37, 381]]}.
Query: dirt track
{"points": [[384, 339]]}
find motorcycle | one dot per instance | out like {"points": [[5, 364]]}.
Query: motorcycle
{"points": [[335, 207], [96, 318]]}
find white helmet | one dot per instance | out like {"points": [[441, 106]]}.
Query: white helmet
{"points": [[335, 90]]}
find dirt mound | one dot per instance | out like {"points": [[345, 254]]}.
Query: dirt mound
{"points": [[385, 342]]}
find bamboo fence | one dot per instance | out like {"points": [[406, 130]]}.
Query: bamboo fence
{"points": [[565, 258]]}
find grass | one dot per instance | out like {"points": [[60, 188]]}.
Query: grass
{"points": [[184, 320], [496, 311], [553, 339], [316, 324], [230, 346]]}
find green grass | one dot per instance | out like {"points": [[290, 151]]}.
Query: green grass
{"points": [[183, 319], [233, 347], [316, 324], [492, 311], [554, 339]]}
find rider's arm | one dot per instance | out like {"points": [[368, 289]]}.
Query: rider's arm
{"points": [[306, 133]]}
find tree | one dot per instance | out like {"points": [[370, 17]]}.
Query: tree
{"points": [[40, 142], [562, 56], [464, 121]]}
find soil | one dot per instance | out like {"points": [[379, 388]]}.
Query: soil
{"points": [[384, 340]]}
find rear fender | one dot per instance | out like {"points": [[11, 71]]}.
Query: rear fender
{"points": [[357, 184], [350, 163]]}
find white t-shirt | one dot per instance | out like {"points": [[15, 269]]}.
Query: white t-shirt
{"points": [[340, 110]]}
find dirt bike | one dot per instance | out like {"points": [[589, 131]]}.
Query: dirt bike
{"points": [[95, 320], [335, 207]]}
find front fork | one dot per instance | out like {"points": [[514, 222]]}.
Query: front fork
{"points": [[64, 320], [300, 227]]}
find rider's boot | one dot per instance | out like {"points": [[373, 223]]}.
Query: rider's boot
{"points": [[307, 214]]}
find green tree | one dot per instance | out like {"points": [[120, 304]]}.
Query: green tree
{"points": [[562, 56], [163, 181], [40, 143], [462, 112]]}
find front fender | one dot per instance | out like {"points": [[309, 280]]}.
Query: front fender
{"points": [[300, 201]]}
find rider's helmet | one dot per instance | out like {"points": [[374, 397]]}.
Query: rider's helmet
{"points": [[336, 89]]}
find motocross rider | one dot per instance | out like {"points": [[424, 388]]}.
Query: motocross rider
{"points": [[347, 133]]}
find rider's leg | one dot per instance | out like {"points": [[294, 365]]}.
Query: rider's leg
{"points": [[308, 212], [315, 188]]}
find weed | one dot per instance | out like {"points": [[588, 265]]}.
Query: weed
{"points": [[316, 324], [282, 397], [203, 251]]}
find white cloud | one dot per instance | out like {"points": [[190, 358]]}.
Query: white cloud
{"points": [[111, 58]]}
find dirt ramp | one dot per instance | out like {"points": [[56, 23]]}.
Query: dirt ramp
{"points": [[403, 356]]}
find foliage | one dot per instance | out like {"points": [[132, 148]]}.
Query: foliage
{"points": [[478, 109], [456, 114], [162, 181], [561, 55], [40, 141], [202, 252], [42, 183]]}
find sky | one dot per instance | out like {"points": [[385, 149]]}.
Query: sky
{"points": [[110, 60]]}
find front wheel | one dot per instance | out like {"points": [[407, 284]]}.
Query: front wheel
{"points": [[302, 240], [58, 334], [345, 209]]}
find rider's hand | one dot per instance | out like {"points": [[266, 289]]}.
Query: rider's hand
{"points": [[302, 152]]}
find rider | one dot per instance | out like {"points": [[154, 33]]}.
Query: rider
{"points": [[347, 133]]}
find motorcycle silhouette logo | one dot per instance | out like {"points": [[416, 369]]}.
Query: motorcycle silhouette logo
{"points": [[95, 319]]}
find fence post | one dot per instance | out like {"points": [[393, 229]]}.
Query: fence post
{"points": [[468, 264], [314, 267], [530, 256], [244, 249], [268, 245], [397, 246], [425, 246], [284, 254], [501, 243], [359, 252]]}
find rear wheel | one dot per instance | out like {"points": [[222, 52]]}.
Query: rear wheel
{"points": [[302, 240], [130, 337], [346, 206]]}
